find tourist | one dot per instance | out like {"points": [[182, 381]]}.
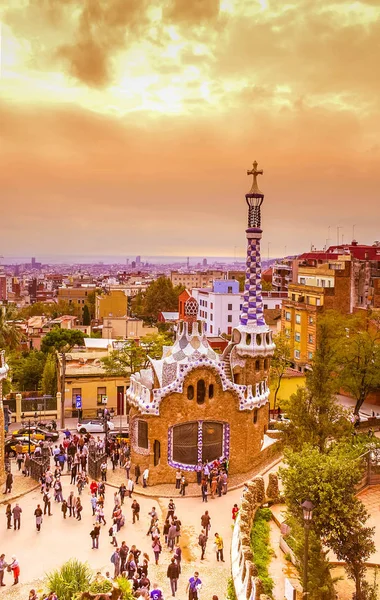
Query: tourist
{"points": [[32, 595], [38, 515], [58, 491], [198, 469], [156, 593], [47, 503], [235, 510], [64, 508], [130, 487], [27, 465], [206, 523], [122, 492], [219, 547], [95, 533], [20, 460], [17, 510], [124, 551], [165, 530], [113, 531], [137, 473], [172, 534], [153, 519], [135, 511], [204, 490], [8, 483], [94, 502], [131, 566], [136, 553], [173, 575], [94, 488], [178, 477], [178, 556], [145, 477], [202, 541], [177, 524], [3, 566], [103, 470], [15, 567], [115, 560], [194, 586], [157, 548], [127, 467], [78, 509], [183, 486], [171, 509], [8, 514]]}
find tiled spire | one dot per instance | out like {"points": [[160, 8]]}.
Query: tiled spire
{"points": [[252, 308]]}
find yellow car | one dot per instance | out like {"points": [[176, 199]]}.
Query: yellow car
{"points": [[10, 446]]}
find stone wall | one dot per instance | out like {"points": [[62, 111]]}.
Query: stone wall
{"points": [[247, 584], [246, 436]]}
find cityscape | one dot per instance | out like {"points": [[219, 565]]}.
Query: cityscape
{"points": [[189, 300]]}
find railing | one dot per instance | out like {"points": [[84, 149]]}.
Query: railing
{"points": [[39, 464], [39, 404], [94, 461]]}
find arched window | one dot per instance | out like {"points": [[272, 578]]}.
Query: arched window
{"points": [[142, 434], [190, 392], [157, 452], [255, 411], [201, 391], [198, 440], [237, 378], [248, 339], [257, 365], [258, 340], [266, 364], [211, 390]]}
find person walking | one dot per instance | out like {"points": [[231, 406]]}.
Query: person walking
{"points": [[178, 476], [194, 586], [183, 487], [8, 514], [202, 541], [95, 533], [173, 575], [124, 551], [3, 566], [235, 510], [157, 549], [115, 560], [178, 556], [122, 492], [127, 467], [15, 567], [206, 523], [145, 477], [153, 519], [135, 511], [219, 547], [130, 487], [172, 534], [137, 473], [64, 508], [156, 593], [38, 515], [71, 504], [103, 470], [27, 465], [8, 483], [171, 510], [204, 490], [17, 510], [94, 502], [113, 531], [78, 509], [47, 503]]}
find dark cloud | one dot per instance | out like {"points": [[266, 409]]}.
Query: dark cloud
{"points": [[192, 11]]}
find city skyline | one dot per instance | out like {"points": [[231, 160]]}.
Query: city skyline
{"points": [[132, 128]]}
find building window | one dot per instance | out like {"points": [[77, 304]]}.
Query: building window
{"points": [[311, 338], [190, 392], [298, 319], [210, 328], [229, 290], [229, 330], [229, 318], [293, 297], [102, 395], [266, 364], [142, 434], [156, 452], [297, 354], [310, 355], [211, 305], [211, 390], [201, 391], [302, 280], [307, 299], [297, 336], [287, 333], [265, 306], [185, 443], [74, 393], [257, 365], [287, 316], [211, 317], [255, 411], [206, 304], [311, 320], [323, 282], [318, 301], [229, 307]]}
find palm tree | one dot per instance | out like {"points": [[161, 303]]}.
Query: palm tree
{"points": [[10, 333]]}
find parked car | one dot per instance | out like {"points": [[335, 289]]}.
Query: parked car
{"points": [[11, 443], [93, 426], [39, 433], [124, 435]]}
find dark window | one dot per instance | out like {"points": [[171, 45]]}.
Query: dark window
{"points": [[255, 415], [257, 365], [230, 307], [157, 452], [237, 378], [248, 339], [190, 392], [201, 391], [142, 434], [211, 390], [185, 443], [266, 362], [212, 444], [229, 319]]}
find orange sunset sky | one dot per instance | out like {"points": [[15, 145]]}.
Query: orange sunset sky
{"points": [[127, 126]]}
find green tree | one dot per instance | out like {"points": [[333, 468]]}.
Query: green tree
{"points": [[62, 340], [360, 359], [49, 376], [281, 361], [266, 285], [49, 309], [27, 370], [134, 356], [160, 296], [91, 301], [10, 333], [86, 315]]}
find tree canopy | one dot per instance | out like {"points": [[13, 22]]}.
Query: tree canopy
{"points": [[160, 296], [10, 333], [133, 356], [62, 340]]}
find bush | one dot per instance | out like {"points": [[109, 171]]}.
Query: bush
{"points": [[231, 594], [261, 548], [101, 587], [125, 587], [73, 577]]}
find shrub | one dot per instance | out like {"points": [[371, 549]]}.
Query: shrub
{"points": [[231, 594], [261, 548], [125, 587], [73, 577]]}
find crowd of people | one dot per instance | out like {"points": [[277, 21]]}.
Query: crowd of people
{"points": [[127, 561]]}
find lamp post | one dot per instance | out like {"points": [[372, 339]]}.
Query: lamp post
{"points": [[307, 508], [29, 420]]}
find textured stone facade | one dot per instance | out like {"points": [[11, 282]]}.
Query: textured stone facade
{"points": [[3, 375], [245, 435]]}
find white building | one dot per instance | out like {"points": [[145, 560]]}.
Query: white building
{"points": [[219, 307]]}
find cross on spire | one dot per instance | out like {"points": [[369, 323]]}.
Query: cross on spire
{"points": [[255, 172]]}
